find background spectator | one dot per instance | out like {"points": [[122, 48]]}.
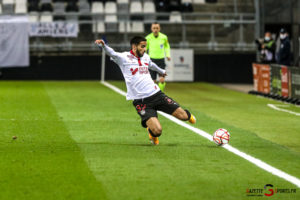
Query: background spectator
{"points": [[267, 48], [284, 54]]}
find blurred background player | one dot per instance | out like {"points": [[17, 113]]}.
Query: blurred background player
{"points": [[147, 97], [158, 48]]}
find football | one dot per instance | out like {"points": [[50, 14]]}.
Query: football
{"points": [[221, 136]]}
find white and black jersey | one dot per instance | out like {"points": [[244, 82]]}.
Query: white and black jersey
{"points": [[136, 74]]}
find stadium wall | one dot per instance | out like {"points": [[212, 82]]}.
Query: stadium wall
{"points": [[217, 68]]}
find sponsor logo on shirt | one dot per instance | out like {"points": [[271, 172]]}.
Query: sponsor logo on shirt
{"points": [[143, 70], [133, 72]]}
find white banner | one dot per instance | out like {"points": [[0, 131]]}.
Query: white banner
{"points": [[181, 66], [14, 41], [54, 29]]}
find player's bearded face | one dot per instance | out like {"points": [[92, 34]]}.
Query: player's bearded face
{"points": [[141, 48]]}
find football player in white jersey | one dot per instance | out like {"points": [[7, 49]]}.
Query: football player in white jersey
{"points": [[146, 95]]}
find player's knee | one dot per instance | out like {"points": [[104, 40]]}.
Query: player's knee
{"points": [[157, 131], [183, 115]]}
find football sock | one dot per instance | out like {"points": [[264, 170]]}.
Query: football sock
{"points": [[151, 133], [188, 114], [162, 86]]}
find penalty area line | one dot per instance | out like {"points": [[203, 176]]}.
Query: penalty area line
{"points": [[253, 160], [275, 107]]}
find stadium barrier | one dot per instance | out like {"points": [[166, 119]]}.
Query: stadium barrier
{"points": [[261, 77], [277, 81], [295, 82]]}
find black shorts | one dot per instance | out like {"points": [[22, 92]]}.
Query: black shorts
{"points": [[159, 62], [149, 106]]}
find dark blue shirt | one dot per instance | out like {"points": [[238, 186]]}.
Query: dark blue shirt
{"points": [[284, 54]]}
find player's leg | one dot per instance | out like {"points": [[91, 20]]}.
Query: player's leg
{"points": [[168, 105], [154, 126], [160, 63], [149, 119], [184, 115], [154, 129], [162, 83]]}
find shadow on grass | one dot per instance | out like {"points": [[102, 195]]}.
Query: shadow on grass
{"points": [[150, 145]]}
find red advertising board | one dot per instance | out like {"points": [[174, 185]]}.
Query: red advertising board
{"points": [[261, 77], [285, 81]]}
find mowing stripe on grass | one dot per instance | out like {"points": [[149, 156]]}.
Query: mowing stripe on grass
{"points": [[257, 162], [44, 162], [283, 110]]}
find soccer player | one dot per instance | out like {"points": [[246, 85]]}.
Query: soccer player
{"points": [[146, 95], [158, 48]]}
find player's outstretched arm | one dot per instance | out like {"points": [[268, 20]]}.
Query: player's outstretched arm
{"points": [[154, 67], [108, 50]]}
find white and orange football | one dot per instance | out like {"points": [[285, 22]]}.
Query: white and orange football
{"points": [[221, 136]]}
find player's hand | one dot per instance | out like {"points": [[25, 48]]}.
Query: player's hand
{"points": [[100, 42], [168, 58]]}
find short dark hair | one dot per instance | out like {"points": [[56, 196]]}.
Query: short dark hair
{"points": [[137, 39]]}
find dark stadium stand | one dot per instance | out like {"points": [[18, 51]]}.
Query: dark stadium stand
{"points": [[109, 16], [71, 7], [33, 6], [85, 5], [193, 24], [187, 6], [135, 16], [46, 7], [174, 5]]}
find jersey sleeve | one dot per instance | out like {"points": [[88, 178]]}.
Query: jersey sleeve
{"points": [[167, 47], [154, 67], [115, 56]]}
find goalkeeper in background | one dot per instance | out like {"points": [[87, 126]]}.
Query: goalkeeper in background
{"points": [[158, 48]]}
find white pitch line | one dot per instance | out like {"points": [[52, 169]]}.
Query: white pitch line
{"points": [[255, 161], [114, 88], [283, 110]]}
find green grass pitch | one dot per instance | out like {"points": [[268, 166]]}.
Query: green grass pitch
{"points": [[81, 140]]}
